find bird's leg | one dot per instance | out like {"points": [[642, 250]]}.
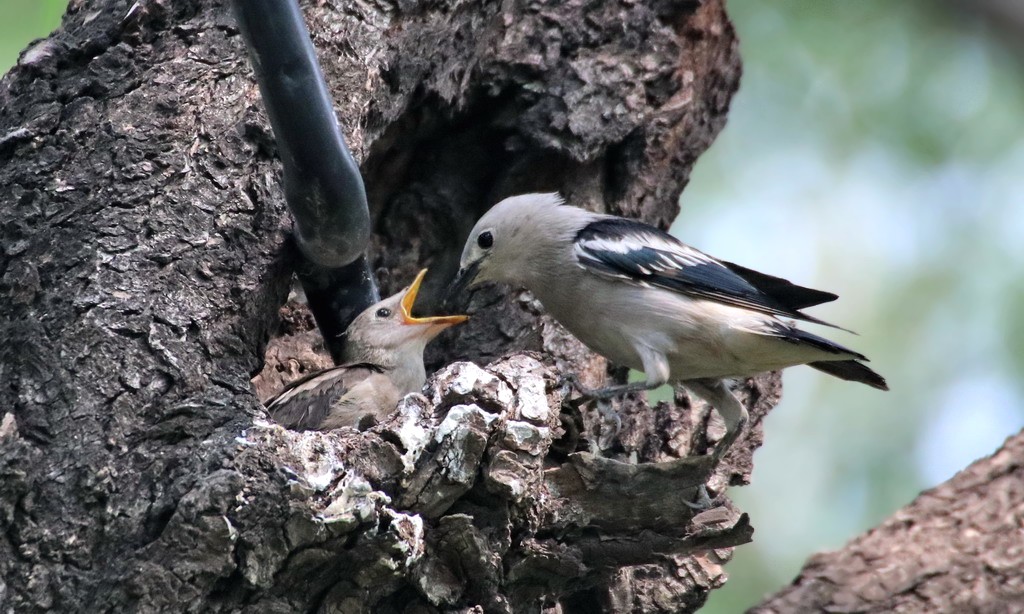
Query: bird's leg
{"points": [[656, 373], [605, 409], [733, 414], [611, 392], [702, 502], [610, 419], [611, 424], [728, 406]]}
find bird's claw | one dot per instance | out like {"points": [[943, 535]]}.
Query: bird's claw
{"points": [[609, 415], [611, 424], [573, 382], [702, 502], [605, 393]]}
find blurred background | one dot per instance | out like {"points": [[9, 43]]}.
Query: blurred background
{"points": [[24, 21], [875, 149]]}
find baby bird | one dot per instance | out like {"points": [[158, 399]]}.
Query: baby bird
{"points": [[383, 363]]}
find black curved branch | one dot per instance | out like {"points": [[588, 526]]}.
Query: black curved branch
{"points": [[322, 184]]}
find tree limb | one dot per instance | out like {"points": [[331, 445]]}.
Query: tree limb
{"points": [[956, 548]]}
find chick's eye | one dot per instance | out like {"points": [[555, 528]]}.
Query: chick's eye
{"points": [[485, 240], [383, 312]]}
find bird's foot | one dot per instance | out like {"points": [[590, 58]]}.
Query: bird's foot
{"points": [[611, 421], [607, 392], [702, 502], [607, 429], [573, 382], [611, 424]]}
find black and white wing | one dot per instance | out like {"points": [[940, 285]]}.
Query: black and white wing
{"points": [[306, 403], [639, 253]]}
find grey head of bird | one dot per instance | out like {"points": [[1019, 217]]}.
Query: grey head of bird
{"points": [[386, 333], [514, 237]]}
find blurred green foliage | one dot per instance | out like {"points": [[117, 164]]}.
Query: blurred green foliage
{"points": [[24, 21], [874, 149]]}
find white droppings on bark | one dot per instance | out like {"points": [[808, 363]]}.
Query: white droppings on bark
{"points": [[409, 530], [232, 531], [322, 461], [462, 414], [353, 501], [527, 375], [461, 379], [8, 426], [412, 432], [526, 437]]}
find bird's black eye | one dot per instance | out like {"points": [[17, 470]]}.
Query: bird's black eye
{"points": [[485, 240], [383, 312]]}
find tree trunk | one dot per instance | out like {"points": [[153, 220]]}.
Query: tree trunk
{"points": [[958, 547], [144, 262]]}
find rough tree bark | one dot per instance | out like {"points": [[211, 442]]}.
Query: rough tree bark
{"points": [[144, 262], [958, 547]]}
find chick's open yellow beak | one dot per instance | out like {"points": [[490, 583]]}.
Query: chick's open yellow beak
{"points": [[410, 299]]}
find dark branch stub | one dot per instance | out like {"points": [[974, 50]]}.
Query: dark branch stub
{"points": [[336, 296], [322, 184]]}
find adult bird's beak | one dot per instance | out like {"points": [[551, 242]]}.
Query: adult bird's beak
{"points": [[463, 279], [439, 322]]}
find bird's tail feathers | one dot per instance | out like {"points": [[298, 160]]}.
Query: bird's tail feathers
{"points": [[795, 335], [782, 290], [848, 369], [851, 371], [813, 320]]}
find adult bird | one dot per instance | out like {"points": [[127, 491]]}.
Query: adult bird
{"points": [[383, 363], [641, 298]]}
